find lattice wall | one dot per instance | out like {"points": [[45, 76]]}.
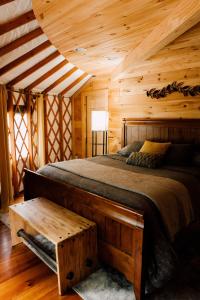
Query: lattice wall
{"points": [[58, 128], [22, 121], [23, 132]]}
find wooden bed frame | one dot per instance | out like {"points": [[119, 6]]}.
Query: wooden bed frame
{"points": [[120, 229]]}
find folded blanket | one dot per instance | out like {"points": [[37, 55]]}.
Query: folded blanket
{"points": [[170, 196]]}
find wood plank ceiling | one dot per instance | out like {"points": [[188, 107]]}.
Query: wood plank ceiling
{"points": [[28, 60], [97, 35]]}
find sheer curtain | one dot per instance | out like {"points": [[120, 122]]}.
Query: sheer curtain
{"points": [[5, 172]]}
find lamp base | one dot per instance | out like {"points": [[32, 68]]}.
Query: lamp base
{"points": [[99, 143]]}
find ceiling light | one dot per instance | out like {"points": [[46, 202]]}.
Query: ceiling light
{"points": [[80, 50]]}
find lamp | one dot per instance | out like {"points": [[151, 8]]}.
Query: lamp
{"points": [[99, 132]]}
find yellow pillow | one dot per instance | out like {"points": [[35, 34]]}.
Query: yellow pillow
{"points": [[156, 148]]}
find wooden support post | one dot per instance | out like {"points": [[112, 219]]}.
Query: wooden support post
{"points": [[45, 128], [61, 99], [12, 141], [30, 140]]}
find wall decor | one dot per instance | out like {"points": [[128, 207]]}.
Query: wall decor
{"points": [[186, 90]]}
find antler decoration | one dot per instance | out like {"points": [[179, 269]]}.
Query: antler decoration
{"points": [[172, 88]]}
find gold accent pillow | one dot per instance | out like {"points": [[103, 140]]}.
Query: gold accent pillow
{"points": [[155, 148]]}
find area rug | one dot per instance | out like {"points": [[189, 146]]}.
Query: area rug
{"points": [[105, 284]]}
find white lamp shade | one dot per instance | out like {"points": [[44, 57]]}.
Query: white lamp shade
{"points": [[99, 120]]}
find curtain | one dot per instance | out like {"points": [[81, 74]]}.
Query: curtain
{"points": [[41, 133], [5, 172]]}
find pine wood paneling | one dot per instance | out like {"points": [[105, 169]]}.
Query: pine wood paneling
{"points": [[186, 14], [178, 61], [107, 30]]}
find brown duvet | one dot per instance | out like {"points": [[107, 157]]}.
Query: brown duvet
{"points": [[159, 255]]}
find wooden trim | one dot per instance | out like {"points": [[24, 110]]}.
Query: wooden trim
{"points": [[60, 99], [59, 80], [28, 72], [12, 138], [75, 82], [164, 122], [29, 127], [168, 124], [16, 22], [45, 129], [20, 41], [127, 216], [46, 75], [13, 64], [84, 125], [73, 128], [3, 2]]}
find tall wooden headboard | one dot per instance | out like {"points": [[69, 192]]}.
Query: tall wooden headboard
{"points": [[174, 130]]}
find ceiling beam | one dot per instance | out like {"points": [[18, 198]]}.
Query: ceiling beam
{"points": [[16, 22], [33, 69], [185, 15], [75, 82], [5, 2], [24, 57], [20, 41], [47, 75], [59, 80]]}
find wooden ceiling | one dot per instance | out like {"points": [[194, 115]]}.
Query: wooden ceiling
{"points": [[99, 37], [106, 29], [28, 60]]}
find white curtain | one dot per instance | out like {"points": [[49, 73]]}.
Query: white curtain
{"points": [[5, 172]]}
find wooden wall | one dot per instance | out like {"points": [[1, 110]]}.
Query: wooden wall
{"points": [[92, 92], [77, 129], [179, 61]]}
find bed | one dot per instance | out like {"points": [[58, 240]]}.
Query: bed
{"points": [[131, 234]]}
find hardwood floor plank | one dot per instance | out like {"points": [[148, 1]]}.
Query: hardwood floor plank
{"points": [[23, 276]]}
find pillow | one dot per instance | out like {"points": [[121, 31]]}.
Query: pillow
{"points": [[134, 147], [147, 160], [179, 154], [155, 148]]}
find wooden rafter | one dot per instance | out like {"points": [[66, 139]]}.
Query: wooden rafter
{"points": [[75, 82], [24, 57], [16, 22], [59, 80], [21, 41], [5, 2], [185, 15], [82, 87], [46, 75], [33, 69]]}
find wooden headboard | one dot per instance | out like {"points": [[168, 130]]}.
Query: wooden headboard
{"points": [[174, 130]]}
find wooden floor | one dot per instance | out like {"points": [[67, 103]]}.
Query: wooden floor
{"points": [[23, 276]]}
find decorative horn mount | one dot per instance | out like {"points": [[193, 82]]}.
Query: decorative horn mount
{"points": [[174, 87]]}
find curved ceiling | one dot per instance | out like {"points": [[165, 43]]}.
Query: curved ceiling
{"points": [[28, 60], [97, 35]]}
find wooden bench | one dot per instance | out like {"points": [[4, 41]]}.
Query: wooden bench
{"points": [[72, 236]]}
